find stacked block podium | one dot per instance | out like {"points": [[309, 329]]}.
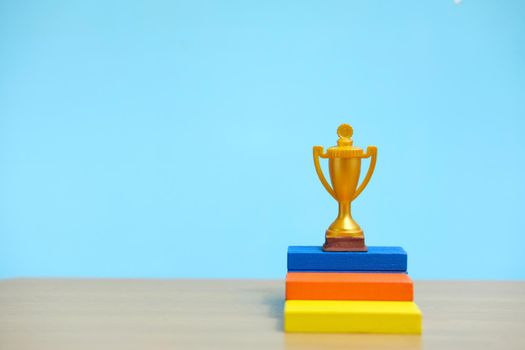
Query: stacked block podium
{"points": [[350, 292]]}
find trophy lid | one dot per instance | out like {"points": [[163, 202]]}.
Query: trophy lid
{"points": [[345, 147]]}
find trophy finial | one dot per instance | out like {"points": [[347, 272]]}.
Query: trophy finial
{"points": [[345, 132]]}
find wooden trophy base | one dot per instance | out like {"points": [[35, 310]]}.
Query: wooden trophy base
{"points": [[345, 244]]}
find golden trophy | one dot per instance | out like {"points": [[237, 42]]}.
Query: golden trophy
{"points": [[344, 163]]}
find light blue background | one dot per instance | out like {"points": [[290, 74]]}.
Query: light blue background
{"points": [[173, 139]]}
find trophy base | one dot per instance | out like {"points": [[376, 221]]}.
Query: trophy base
{"points": [[345, 244]]}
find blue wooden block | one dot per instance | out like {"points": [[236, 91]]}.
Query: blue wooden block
{"points": [[377, 259]]}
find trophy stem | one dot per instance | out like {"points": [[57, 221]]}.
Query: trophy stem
{"points": [[345, 210], [344, 235]]}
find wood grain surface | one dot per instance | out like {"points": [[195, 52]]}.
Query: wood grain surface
{"points": [[237, 314]]}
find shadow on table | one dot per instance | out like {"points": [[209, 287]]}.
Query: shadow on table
{"points": [[351, 341], [275, 304]]}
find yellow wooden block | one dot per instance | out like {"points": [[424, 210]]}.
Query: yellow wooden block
{"points": [[349, 316]]}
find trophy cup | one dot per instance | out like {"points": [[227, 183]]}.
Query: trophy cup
{"points": [[344, 163]]}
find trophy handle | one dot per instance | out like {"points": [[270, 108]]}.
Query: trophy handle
{"points": [[370, 151], [318, 152]]}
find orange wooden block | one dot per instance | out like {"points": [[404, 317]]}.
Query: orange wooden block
{"points": [[348, 286]]}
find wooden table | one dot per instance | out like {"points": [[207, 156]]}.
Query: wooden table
{"points": [[236, 314]]}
